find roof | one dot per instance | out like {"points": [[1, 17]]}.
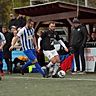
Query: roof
{"points": [[55, 8]]}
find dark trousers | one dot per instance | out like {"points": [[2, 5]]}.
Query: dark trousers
{"points": [[1, 61], [8, 59], [79, 51], [41, 58]]}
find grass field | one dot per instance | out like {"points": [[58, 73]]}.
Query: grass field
{"points": [[35, 85]]}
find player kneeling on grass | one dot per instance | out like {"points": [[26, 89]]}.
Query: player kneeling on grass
{"points": [[48, 38]]}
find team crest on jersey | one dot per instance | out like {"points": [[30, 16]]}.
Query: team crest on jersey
{"points": [[54, 36], [30, 37], [78, 29]]}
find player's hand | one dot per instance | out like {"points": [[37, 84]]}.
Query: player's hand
{"points": [[66, 50], [1, 48], [11, 48], [38, 50]]}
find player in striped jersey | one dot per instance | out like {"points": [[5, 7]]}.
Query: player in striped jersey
{"points": [[28, 41]]}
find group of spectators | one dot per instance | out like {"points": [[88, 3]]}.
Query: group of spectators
{"points": [[19, 27], [18, 21], [10, 31]]}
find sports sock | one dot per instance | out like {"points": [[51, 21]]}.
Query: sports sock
{"points": [[28, 63], [56, 67], [40, 70], [50, 64]]}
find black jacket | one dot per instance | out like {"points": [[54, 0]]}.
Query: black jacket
{"points": [[8, 37], [48, 39], [79, 36]]}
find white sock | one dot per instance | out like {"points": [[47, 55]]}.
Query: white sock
{"points": [[50, 64], [56, 67], [51, 70]]}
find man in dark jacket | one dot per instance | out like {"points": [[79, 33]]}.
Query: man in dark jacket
{"points": [[12, 21], [78, 40], [6, 53]]}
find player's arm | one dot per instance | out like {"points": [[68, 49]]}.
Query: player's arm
{"points": [[14, 40], [62, 43], [3, 41], [39, 41]]}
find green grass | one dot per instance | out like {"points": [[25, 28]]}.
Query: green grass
{"points": [[35, 85]]}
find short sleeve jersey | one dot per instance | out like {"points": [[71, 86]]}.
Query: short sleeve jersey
{"points": [[26, 38], [48, 39]]}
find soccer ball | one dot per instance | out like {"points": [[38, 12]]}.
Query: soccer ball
{"points": [[61, 74]]}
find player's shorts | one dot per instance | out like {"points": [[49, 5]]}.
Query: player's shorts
{"points": [[50, 53], [31, 54]]}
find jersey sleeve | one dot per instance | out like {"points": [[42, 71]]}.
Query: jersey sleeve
{"points": [[3, 37], [20, 32]]}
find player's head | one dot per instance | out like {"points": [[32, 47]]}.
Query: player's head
{"points": [[52, 25], [30, 23]]}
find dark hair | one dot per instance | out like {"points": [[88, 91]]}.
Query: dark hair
{"points": [[52, 22], [29, 20], [4, 26]]}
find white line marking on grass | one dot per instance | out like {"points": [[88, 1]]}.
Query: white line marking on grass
{"points": [[38, 78]]}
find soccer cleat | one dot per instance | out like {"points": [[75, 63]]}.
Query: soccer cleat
{"points": [[82, 72], [74, 73], [22, 72], [47, 72], [55, 76]]}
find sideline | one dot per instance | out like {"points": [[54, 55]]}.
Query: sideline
{"points": [[41, 78]]}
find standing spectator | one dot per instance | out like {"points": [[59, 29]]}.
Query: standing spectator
{"points": [[48, 38], [20, 21], [6, 53], [93, 37], [78, 41], [88, 37], [18, 43], [40, 54], [2, 43], [12, 21], [14, 30], [27, 38]]}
